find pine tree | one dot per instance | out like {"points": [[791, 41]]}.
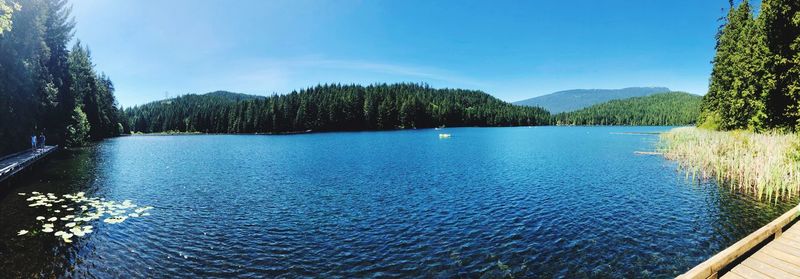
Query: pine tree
{"points": [[780, 21]]}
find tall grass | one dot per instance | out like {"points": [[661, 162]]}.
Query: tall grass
{"points": [[766, 166]]}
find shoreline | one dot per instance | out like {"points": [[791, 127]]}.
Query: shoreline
{"points": [[399, 129]]}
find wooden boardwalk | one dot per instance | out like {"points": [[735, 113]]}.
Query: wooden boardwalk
{"points": [[772, 251], [14, 163]]}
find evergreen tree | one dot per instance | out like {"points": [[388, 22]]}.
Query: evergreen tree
{"points": [[780, 20], [755, 81]]}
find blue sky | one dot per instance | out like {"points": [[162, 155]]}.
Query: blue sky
{"points": [[511, 49]]}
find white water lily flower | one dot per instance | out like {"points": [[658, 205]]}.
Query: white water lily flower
{"points": [[52, 219], [70, 209], [47, 225], [21, 194], [39, 218], [47, 230], [58, 233], [57, 211], [64, 206], [21, 232], [69, 225]]}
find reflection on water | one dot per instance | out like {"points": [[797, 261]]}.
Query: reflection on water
{"points": [[544, 201]]}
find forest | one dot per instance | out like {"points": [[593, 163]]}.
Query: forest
{"points": [[672, 108], [332, 107], [46, 86], [755, 79]]}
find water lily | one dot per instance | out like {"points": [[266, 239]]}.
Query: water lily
{"points": [[21, 232], [39, 218], [66, 237]]}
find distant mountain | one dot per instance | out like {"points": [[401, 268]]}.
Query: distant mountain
{"points": [[571, 100], [662, 109], [233, 95]]}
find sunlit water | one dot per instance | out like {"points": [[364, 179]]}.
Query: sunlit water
{"points": [[491, 202]]}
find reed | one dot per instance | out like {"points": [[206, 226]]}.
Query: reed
{"points": [[764, 165]]}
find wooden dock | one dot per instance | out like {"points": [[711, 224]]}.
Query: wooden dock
{"points": [[14, 163], [772, 251]]}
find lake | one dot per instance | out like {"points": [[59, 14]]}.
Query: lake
{"points": [[486, 202]]}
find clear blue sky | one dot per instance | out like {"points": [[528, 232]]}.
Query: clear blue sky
{"points": [[511, 49]]}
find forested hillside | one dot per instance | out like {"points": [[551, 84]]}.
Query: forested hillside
{"points": [[333, 108], [755, 79], [571, 100], [663, 109], [45, 86]]}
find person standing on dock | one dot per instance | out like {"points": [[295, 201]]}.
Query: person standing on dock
{"points": [[33, 142], [41, 140]]}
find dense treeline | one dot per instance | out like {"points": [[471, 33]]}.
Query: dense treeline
{"points": [[672, 108], [332, 107], [46, 87], [755, 80]]}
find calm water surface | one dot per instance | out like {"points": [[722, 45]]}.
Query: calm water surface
{"points": [[488, 202]]}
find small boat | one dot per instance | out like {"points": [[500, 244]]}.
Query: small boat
{"points": [[444, 136]]}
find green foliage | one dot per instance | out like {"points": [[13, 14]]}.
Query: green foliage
{"points": [[78, 129], [42, 82], [7, 9], [710, 121], [755, 80], [673, 108], [333, 107]]}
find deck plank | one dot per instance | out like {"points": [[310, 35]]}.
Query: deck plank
{"points": [[732, 275], [778, 254], [789, 267], [788, 249], [767, 269], [747, 272]]}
